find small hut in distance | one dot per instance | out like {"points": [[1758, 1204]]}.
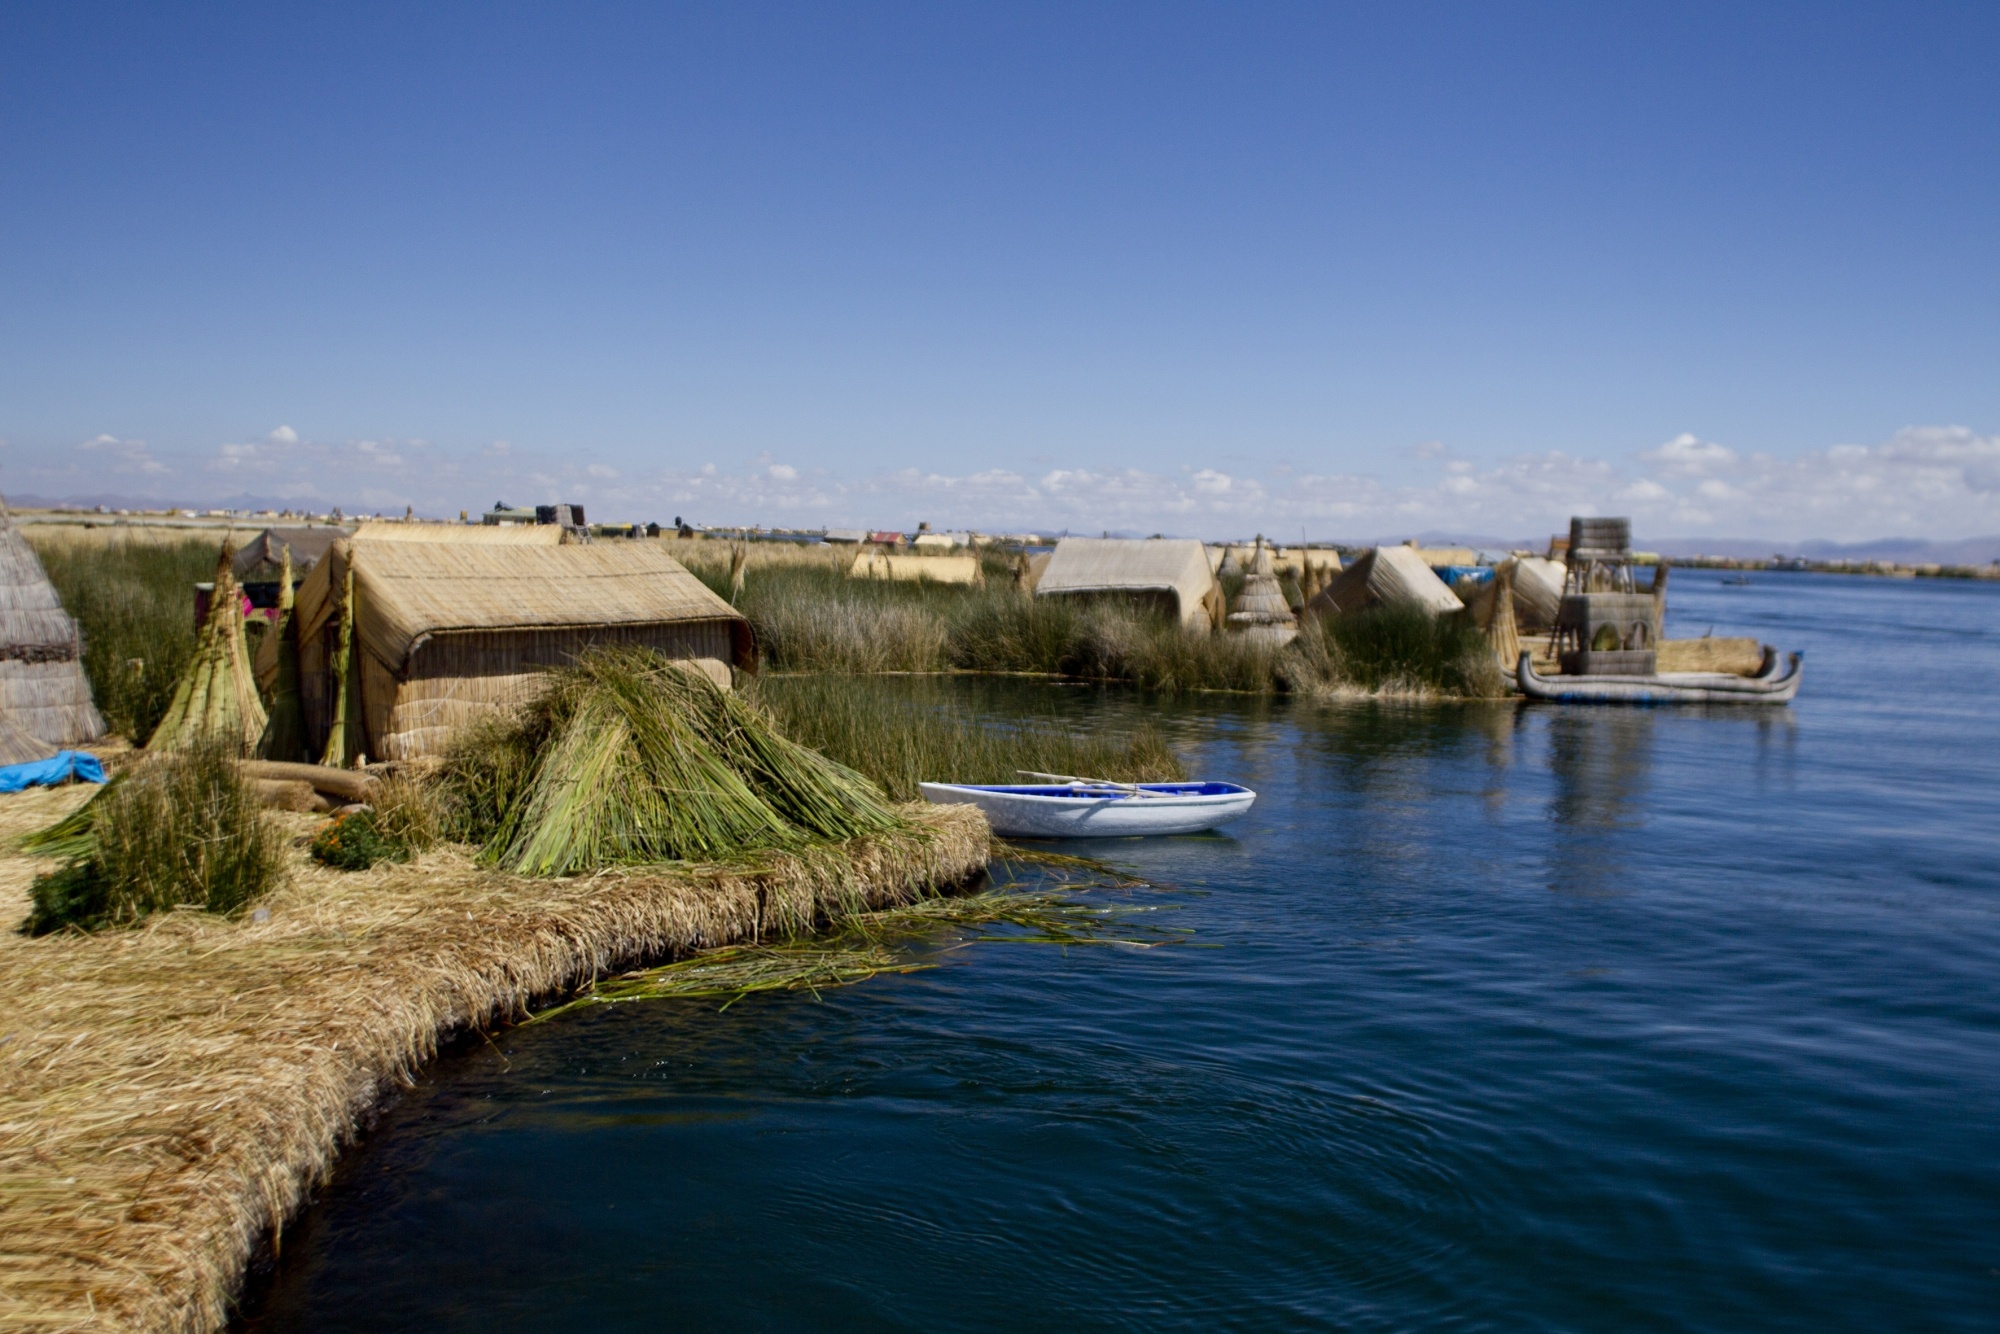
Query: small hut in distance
{"points": [[1385, 576], [263, 555], [1169, 573], [448, 632]]}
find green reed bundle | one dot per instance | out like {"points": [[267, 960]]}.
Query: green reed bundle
{"points": [[629, 757], [182, 829], [217, 693]]}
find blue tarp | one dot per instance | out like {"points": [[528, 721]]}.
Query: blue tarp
{"points": [[59, 767]]}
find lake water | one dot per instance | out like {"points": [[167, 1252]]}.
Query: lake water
{"points": [[1494, 1017]]}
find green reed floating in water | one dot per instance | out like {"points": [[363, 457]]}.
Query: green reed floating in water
{"points": [[882, 943]]}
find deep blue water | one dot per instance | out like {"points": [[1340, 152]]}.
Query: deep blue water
{"points": [[1505, 1018]]}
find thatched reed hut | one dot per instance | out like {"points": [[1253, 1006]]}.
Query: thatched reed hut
{"points": [[1385, 577], [43, 691], [307, 543], [445, 633], [1165, 572]]}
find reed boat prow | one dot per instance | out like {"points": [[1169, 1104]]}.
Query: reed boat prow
{"points": [[1081, 808], [1769, 686]]}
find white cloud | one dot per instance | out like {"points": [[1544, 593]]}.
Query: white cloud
{"points": [[127, 456], [1687, 456], [1930, 481], [284, 435]]}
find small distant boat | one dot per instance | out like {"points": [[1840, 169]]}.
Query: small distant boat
{"points": [[1769, 686], [1065, 807], [1737, 581]]}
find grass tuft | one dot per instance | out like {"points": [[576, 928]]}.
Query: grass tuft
{"points": [[1395, 651], [182, 830]]}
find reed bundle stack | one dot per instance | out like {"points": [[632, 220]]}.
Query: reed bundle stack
{"points": [[446, 634], [1385, 577], [1734, 655], [1170, 572], [629, 757], [277, 669], [1259, 611], [43, 691], [216, 696]]}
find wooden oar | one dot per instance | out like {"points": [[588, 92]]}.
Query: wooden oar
{"points": [[1074, 781]]}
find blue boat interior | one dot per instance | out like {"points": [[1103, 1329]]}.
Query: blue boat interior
{"points": [[1100, 793]]}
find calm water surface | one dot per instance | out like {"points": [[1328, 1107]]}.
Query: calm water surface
{"points": [[1505, 1018]]}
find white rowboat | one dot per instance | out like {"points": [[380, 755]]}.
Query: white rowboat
{"points": [[1080, 808], [1769, 686]]}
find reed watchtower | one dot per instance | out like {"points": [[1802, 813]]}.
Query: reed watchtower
{"points": [[1605, 625]]}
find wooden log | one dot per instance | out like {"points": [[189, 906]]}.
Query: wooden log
{"points": [[348, 784]]}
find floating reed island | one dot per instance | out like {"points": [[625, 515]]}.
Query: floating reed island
{"points": [[193, 1032], [208, 997]]}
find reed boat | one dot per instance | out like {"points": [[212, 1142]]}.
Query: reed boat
{"points": [[1768, 686], [1064, 807]]}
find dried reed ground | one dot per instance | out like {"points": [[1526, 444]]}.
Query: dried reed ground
{"points": [[170, 1095]]}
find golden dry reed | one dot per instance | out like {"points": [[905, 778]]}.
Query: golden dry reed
{"points": [[170, 1094]]}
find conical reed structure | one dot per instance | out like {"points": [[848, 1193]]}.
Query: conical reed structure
{"points": [[1260, 612], [217, 694]]}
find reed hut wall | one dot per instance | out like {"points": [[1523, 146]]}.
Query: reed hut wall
{"points": [[448, 634], [43, 690], [1145, 570]]}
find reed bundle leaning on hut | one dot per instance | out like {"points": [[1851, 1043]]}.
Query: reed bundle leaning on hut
{"points": [[277, 676]]}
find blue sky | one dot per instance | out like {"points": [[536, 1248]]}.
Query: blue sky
{"points": [[1206, 269]]}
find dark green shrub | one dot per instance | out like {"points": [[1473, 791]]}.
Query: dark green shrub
{"points": [[354, 842]]}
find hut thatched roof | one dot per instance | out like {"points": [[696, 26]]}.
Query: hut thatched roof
{"points": [[1386, 576], [411, 591], [308, 544], [43, 690], [471, 534], [1121, 565]]}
